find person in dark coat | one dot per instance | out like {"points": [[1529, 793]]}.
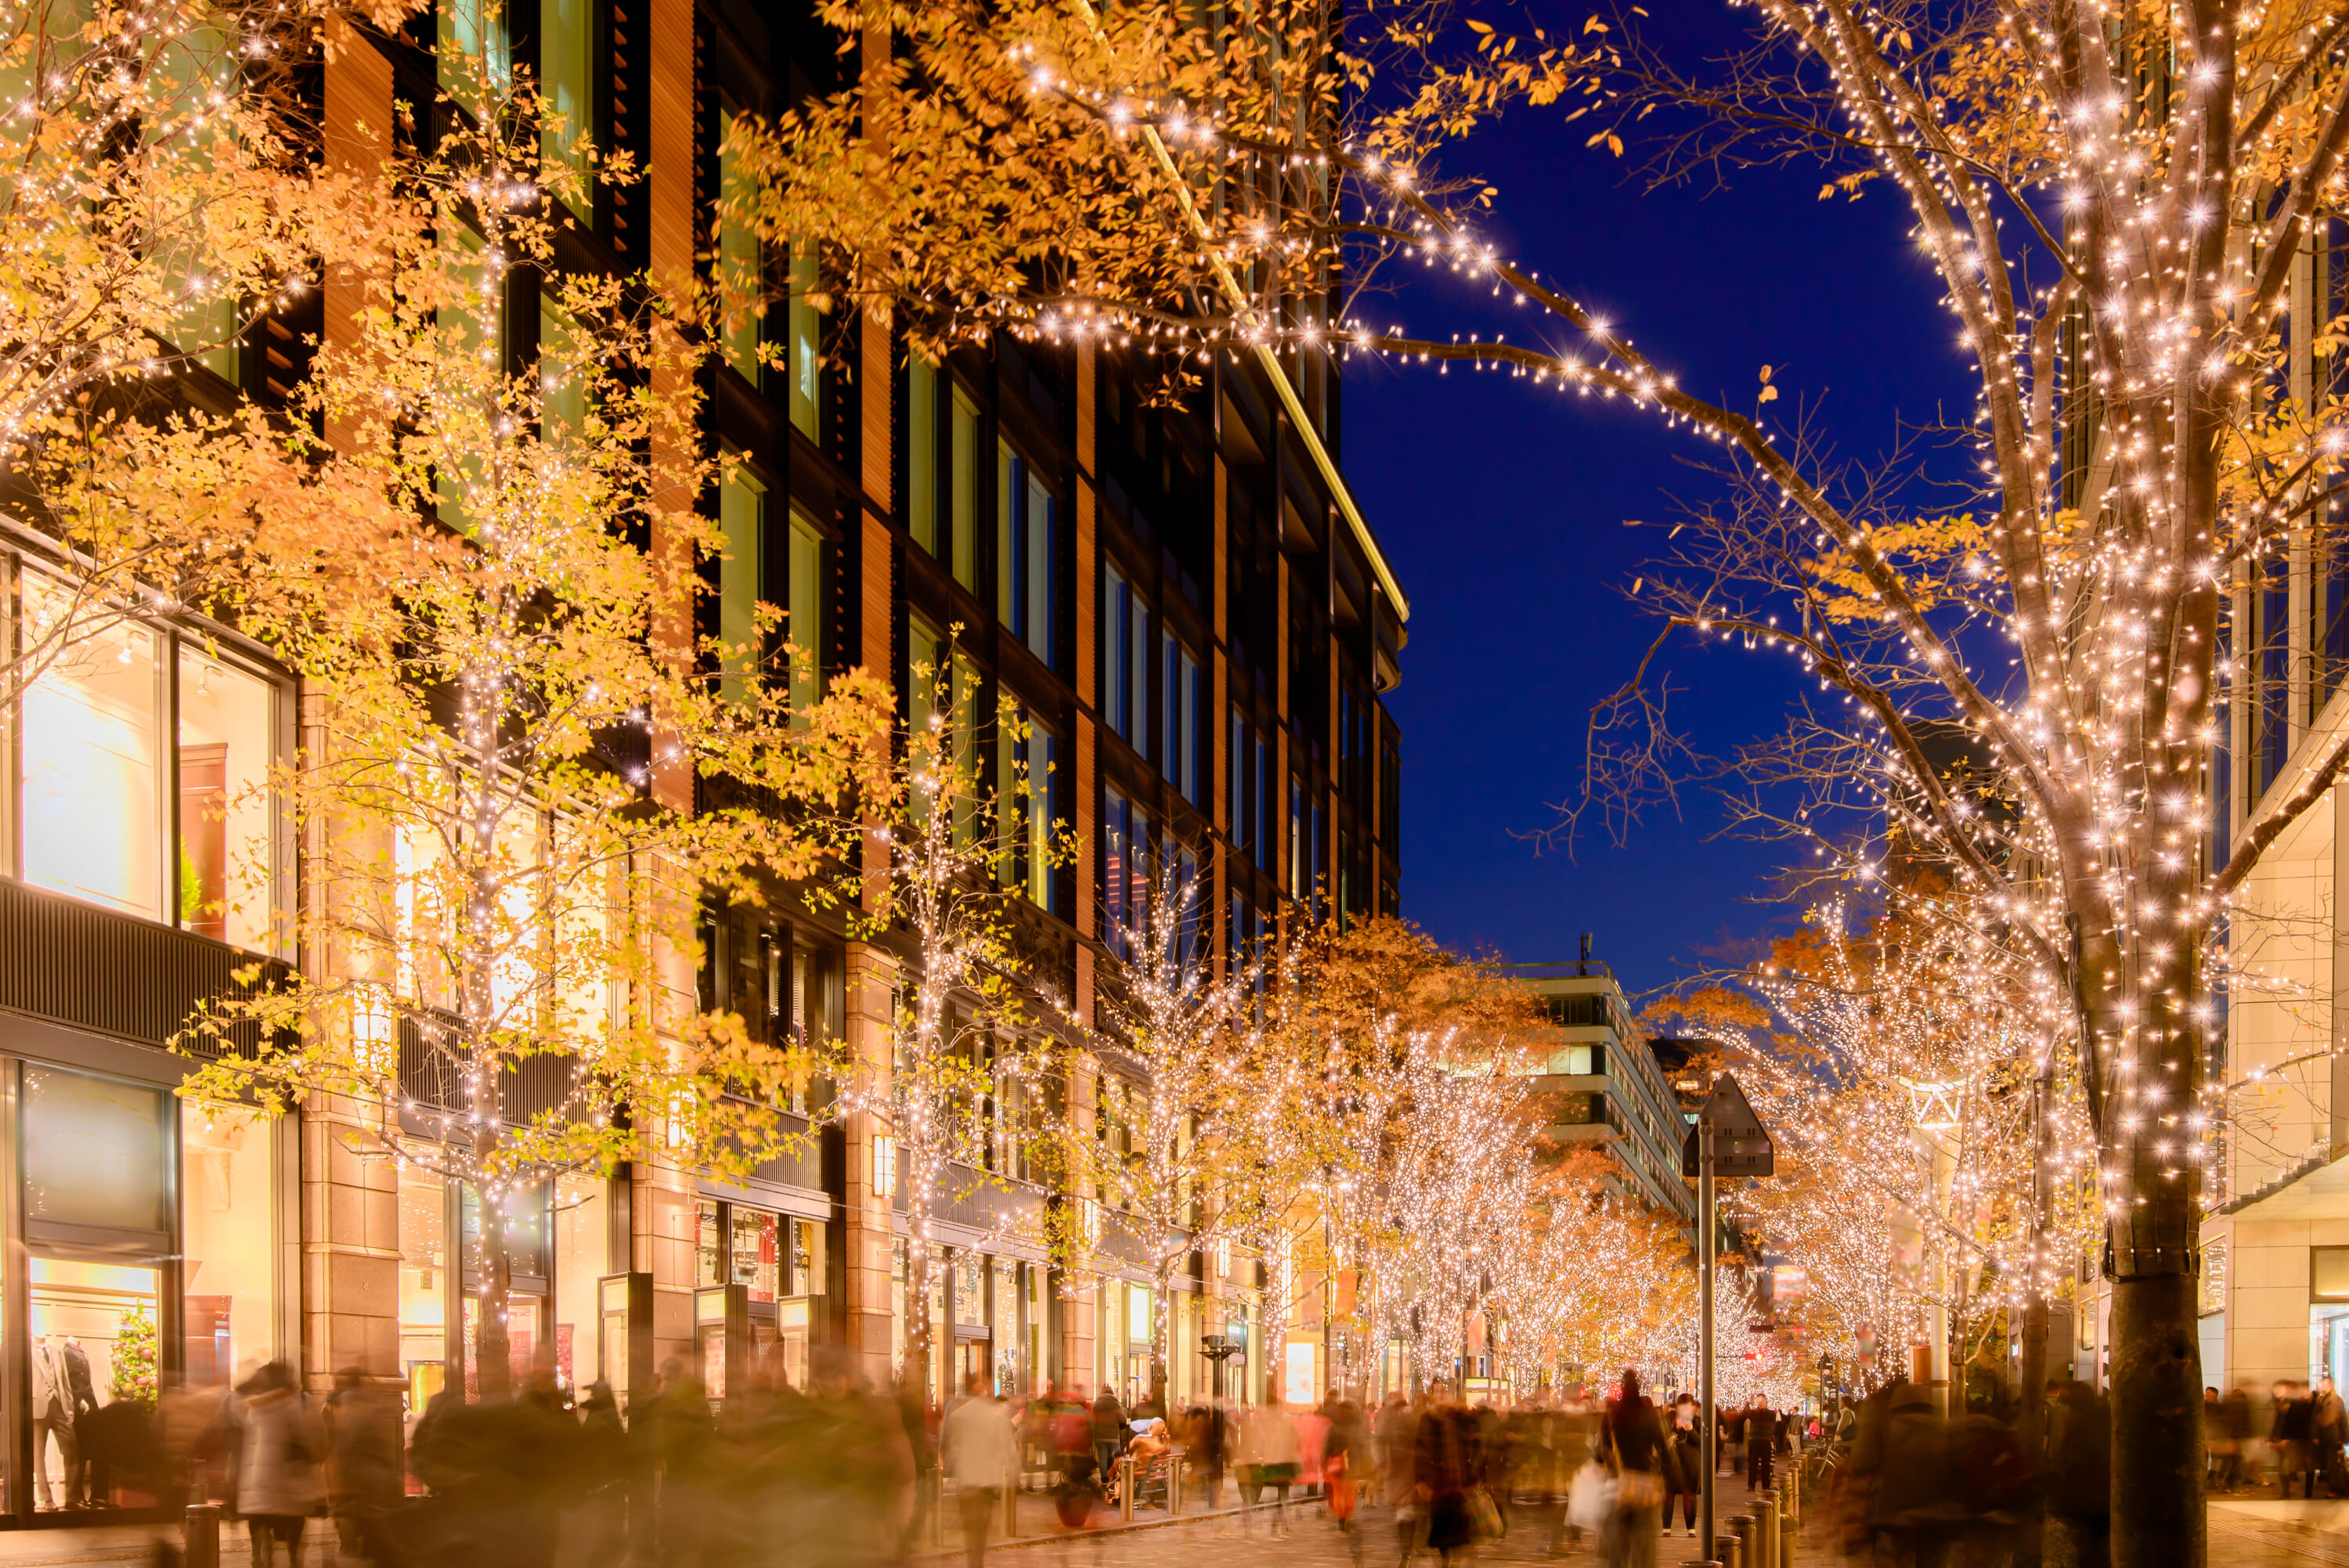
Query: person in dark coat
{"points": [[365, 1470], [1444, 1466], [1632, 1436], [1685, 1473], [2292, 1434]]}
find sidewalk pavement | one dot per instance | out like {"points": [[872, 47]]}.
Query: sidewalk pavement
{"points": [[2244, 1534]]}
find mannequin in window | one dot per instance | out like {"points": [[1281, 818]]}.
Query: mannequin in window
{"points": [[53, 1416]]}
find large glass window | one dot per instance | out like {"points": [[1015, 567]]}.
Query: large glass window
{"points": [[1125, 658], [228, 1189], [804, 630], [806, 346], [1028, 525], [942, 457], [581, 1249], [566, 85], [1125, 877], [709, 1244], [94, 1153], [475, 29], [92, 810], [228, 832], [740, 265], [756, 1251], [1178, 754], [1031, 791], [741, 577], [423, 1285], [935, 675]]}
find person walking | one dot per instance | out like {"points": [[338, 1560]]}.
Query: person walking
{"points": [[1270, 1457], [1761, 1437], [279, 1484], [366, 1472], [2293, 1436], [1632, 1442], [980, 1452], [2332, 1425], [1444, 1466], [1108, 1432], [1396, 1432], [1687, 1469]]}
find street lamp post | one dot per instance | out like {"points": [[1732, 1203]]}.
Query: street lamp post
{"points": [[1727, 1141]]}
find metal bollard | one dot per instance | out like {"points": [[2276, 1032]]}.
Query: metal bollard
{"points": [[1011, 1511], [1765, 1531], [1125, 1495], [1699, 1563], [1749, 1544], [202, 1538], [1174, 1484], [1727, 1552]]}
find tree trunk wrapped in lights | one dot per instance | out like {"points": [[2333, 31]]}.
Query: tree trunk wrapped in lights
{"points": [[960, 1097]]}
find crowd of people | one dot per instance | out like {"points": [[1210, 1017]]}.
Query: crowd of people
{"points": [[843, 1473], [2290, 1437]]}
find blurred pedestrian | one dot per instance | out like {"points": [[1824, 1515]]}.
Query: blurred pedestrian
{"points": [[1396, 1433], [1687, 1469], [2332, 1427], [279, 1482], [366, 1473], [2293, 1436], [1108, 1430], [980, 1452], [2080, 1472], [1633, 1444], [1444, 1466], [1761, 1440], [1269, 1458]]}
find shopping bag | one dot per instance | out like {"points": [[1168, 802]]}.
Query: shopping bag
{"points": [[1592, 1497], [1639, 1489], [1483, 1515]]}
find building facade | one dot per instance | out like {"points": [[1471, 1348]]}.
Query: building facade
{"points": [[2275, 1277], [1602, 1084], [1186, 622]]}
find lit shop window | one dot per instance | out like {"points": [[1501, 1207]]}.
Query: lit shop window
{"points": [[101, 797]]}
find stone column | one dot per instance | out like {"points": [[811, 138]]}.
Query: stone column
{"points": [[872, 1309]]}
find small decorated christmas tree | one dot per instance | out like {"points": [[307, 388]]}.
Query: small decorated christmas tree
{"points": [[134, 1358]]}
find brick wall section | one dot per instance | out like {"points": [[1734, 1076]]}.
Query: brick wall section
{"points": [[349, 1207], [356, 135], [871, 975]]}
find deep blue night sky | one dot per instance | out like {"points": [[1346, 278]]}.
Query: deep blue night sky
{"points": [[1501, 509]]}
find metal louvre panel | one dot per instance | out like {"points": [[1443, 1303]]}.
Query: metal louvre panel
{"points": [[112, 974]]}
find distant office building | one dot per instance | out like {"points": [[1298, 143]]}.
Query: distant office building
{"points": [[1603, 1083]]}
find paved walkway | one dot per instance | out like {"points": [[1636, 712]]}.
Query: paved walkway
{"points": [[2243, 1534]]}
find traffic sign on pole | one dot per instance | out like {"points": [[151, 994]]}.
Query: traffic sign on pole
{"points": [[1740, 1146]]}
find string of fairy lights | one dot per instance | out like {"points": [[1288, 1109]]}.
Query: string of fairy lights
{"points": [[2083, 649]]}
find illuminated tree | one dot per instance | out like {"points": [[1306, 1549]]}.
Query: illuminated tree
{"points": [[2113, 202], [1168, 1039], [504, 858], [138, 500], [962, 1090]]}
